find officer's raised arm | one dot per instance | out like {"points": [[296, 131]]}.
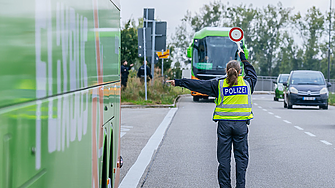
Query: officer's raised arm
{"points": [[249, 71]]}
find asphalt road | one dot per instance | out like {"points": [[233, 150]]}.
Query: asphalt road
{"points": [[287, 147]]}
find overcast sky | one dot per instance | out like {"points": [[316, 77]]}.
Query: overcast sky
{"points": [[173, 11]]}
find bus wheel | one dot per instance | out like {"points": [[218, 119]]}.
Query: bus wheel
{"points": [[195, 98]]}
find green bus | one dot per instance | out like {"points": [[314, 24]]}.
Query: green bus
{"points": [[210, 51], [59, 93]]}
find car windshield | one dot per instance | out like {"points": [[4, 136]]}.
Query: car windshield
{"points": [[283, 78], [307, 78], [213, 53]]}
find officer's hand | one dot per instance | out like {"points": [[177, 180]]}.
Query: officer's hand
{"points": [[241, 55], [172, 82], [131, 65]]}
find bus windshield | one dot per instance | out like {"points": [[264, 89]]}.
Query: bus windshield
{"points": [[213, 53]]}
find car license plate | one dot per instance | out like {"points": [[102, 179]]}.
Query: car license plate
{"points": [[308, 98]]}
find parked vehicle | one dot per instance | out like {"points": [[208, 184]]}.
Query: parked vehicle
{"points": [[305, 87], [279, 88]]}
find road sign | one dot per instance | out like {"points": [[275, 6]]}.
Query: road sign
{"points": [[149, 13], [236, 34], [141, 44], [163, 55], [160, 38]]}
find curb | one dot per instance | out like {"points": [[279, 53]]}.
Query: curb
{"points": [[155, 105]]}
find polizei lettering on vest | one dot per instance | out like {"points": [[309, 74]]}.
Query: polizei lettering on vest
{"points": [[235, 90]]}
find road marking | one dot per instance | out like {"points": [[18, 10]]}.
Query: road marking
{"points": [[265, 110], [278, 117], [255, 104], [270, 113], [310, 134], [125, 129], [299, 128], [325, 142], [259, 107], [135, 173], [287, 121]]}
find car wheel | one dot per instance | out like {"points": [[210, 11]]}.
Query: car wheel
{"points": [[289, 105], [324, 107], [275, 99], [195, 98], [285, 105]]}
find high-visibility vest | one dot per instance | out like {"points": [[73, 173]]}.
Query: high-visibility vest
{"points": [[233, 103]]}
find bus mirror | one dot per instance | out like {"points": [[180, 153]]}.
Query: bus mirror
{"points": [[189, 52]]}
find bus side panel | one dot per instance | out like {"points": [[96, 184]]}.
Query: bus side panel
{"points": [[56, 142], [67, 45]]}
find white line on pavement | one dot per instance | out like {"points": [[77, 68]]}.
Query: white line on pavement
{"points": [[255, 104], [287, 121], [299, 128], [265, 110], [259, 107], [310, 134], [327, 143], [278, 117], [270, 113], [135, 173]]}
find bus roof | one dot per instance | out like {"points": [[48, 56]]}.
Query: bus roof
{"points": [[212, 31]]}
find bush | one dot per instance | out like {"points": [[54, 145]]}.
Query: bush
{"points": [[331, 99], [158, 93]]}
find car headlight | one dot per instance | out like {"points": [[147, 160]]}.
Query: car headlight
{"points": [[293, 90], [323, 91], [280, 87]]}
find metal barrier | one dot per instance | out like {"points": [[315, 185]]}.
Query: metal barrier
{"points": [[265, 83]]}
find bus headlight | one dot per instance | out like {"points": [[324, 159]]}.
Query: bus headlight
{"points": [[324, 91], [293, 90]]}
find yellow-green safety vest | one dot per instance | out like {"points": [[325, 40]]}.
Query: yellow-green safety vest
{"points": [[233, 103]]}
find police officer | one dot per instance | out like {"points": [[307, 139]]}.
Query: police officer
{"points": [[233, 114], [124, 73], [140, 72]]}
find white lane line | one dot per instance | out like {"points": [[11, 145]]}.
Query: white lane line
{"points": [[255, 104], [299, 128], [278, 117], [270, 113], [287, 122], [135, 173], [325, 142], [310, 134], [125, 129], [265, 110], [259, 107]]}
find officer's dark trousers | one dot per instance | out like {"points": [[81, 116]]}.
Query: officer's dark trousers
{"points": [[232, 133]]}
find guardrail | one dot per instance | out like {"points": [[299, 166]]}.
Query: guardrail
{"points": [[265, 83]]}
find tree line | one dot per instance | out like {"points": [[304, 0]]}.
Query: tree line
{"points": [[278, 40]]}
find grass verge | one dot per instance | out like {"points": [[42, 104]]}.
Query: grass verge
{"points": [[331, 99], [158, 93]]}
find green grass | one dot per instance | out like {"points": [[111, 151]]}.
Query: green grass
{"points": [[158, 93], [331, 99]]}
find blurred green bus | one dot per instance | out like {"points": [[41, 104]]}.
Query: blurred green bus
{"points": [[210, 51], [60, 93]]}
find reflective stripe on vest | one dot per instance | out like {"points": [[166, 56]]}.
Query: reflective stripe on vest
{"points": [[233, 103]]}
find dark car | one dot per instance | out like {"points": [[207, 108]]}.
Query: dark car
{"points": [[279, 86], [307, 88]]}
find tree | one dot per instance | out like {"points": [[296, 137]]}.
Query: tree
{"points": [[311, 28], [129, 42]]}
